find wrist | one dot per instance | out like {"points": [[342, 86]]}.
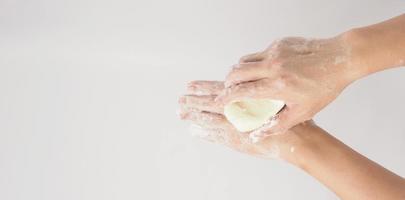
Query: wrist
{"points": [[356, 43], [339, 65], [374, 48], [299, 142], [354, 67]]}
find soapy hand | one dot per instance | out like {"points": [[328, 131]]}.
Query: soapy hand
{"points": [[199, 107], [307, 74]]}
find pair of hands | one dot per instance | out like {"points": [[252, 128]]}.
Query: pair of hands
{"points": [[200, 107], [307, 74]]}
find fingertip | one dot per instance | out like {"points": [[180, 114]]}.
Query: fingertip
{"points": [[182, 100], [182, 114], [252, 57], [191, 88], [242, 59], [190, 83], [203, 87]]}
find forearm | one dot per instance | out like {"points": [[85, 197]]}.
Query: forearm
{"points": [[346, 172], [377, 47]]}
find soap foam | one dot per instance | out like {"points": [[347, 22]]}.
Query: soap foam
{"points": [[260, 132], [198, 131]]}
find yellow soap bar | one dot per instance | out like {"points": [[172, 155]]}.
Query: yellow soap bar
{"points": [[250, 114]]}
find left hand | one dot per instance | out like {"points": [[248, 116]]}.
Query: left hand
{"points": [[199, 107]]}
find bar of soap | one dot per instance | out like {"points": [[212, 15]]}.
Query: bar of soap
{"points": [[250, 114]]}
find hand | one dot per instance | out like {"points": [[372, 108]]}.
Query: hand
{"points": [[199, 107], [307, 146], [307, 74]]}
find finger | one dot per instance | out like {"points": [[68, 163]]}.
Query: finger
{"points": [[287, 119], [261, 89], [254, 57], [205, 119], [233, 140], [205, 87], [215, 128], [203, 103], [210, 134], [245, 72], [283, 121], [198, 131]]}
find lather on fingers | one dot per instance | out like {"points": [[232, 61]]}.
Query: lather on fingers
{"points": [[251, 71], [255, 90], [201, 88], [203, 103], [205, 119]]}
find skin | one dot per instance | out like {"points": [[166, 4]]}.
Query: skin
{"points": [[307, 146], [308, 74]]}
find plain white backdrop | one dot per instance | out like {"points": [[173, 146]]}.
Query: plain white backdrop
{"points": [[88, 97]]}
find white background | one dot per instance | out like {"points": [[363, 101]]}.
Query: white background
{"points": [[88, 96]]}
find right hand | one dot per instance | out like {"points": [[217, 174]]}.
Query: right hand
{"points": [[307, 74]]}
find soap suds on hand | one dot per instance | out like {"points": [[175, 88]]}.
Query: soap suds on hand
{"points": [[198, 131]]}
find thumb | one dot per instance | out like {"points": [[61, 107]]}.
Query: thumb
{"points": [[278, 124], [254, 57]]}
